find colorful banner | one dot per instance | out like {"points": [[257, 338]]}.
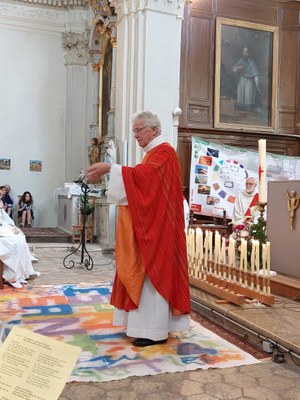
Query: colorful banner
{"points": [[219, 172]]}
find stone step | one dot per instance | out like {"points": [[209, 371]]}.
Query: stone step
{"points": [[46, 235]]}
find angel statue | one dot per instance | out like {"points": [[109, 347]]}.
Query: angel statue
{"points": [[110, 156], [94, 151], [292, 203]]}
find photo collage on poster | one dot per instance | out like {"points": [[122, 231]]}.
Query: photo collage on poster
{"points": [[219, 172]]}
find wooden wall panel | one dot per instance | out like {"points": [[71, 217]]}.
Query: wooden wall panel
{"points": [[203, 5], [248, 11], [200, 67], [288, 69], [287, 120], [290, 19]]}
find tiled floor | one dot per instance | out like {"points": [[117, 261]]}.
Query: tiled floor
{"points": [[268, 380]]}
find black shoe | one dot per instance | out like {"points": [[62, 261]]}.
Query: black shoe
{"points": [[141, 342]]}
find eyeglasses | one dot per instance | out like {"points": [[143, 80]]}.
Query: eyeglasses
{"points": [[139, 130]]}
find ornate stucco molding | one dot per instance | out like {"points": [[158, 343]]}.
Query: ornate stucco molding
{"points": [[55, 3], [124, 7], [23, 13], [32, 13], [76, 48]]}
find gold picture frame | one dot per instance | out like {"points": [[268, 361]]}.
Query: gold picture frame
{"points": [[246, 68]]}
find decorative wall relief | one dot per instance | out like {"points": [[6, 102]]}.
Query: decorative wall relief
{"points": [[76, 48]]}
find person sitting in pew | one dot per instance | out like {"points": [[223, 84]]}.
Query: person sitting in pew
{"points": [[25, 211], [14, 251]]}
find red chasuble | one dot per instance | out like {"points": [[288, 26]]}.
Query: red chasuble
{"points": [[150, 233], [253, 203]]}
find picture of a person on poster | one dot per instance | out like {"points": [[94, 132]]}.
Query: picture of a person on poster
{"points": [[244, 202]]}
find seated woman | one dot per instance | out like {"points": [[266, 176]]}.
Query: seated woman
{"points": [[25, 211], [14, 251]]}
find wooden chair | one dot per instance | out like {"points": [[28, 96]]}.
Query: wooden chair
{"points": [[89, 227], [211, 223], [77, 233]]}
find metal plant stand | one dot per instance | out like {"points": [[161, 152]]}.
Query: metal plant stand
{"points": [[86, 259]]}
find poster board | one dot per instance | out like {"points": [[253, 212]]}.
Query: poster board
{"points": [[219, 172]]}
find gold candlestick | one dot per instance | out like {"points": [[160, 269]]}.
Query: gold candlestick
{"points": [[261, 209]]}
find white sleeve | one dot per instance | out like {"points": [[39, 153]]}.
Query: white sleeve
{"points": [[116, 193], [238, 212], [6, 218]]}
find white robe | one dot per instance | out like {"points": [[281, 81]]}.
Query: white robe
{"points": [[241, 205], [153, 319], [14, 251]]}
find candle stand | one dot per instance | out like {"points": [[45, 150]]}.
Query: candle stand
{"points": [[211, 273], [261, 209], [88, 261]]}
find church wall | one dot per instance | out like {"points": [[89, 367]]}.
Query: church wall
{"points": [[33, 111], [198, 74]]}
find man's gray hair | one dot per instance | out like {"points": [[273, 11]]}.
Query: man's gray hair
{"points": [[151, 120]]}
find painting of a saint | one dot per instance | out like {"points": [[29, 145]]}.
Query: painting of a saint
{"points": [[246, 71]]}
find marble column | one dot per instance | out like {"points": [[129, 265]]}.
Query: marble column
{"points": [[76, 60], [111, 114], [94, 128], [148, 65]]}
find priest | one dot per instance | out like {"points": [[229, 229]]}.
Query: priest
{"points": [[244, 203], [151, 288]]}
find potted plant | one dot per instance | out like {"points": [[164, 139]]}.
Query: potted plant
{"points": [[84, 204]]}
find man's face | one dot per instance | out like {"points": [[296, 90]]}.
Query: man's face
{"points": [[7, 188], [250, 186], [245, 53], [143, 134]]}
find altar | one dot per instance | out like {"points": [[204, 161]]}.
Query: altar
{"points": [[284, 240], [104, 214]]}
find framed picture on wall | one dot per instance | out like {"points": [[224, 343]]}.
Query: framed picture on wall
{"points": [[4, 163], [246, 69], [35, 165]]}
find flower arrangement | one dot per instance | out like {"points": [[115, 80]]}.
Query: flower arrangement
{"points": [[248, 231]]}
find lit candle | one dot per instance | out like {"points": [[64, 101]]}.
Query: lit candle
{"points": [[192, 233], [268, 255], [252, 256], [223, 257], [231, 257], [262, 194], [199, 246], [264, 265], [243, 261], [210, 248], [217, 252], [210, 245], [205, 251], [257, 263]]}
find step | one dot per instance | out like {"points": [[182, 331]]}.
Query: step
{"points": [[46, 235], [286, 286]]}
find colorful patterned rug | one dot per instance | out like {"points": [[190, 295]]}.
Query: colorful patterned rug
{"points": [[82, 316]]}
